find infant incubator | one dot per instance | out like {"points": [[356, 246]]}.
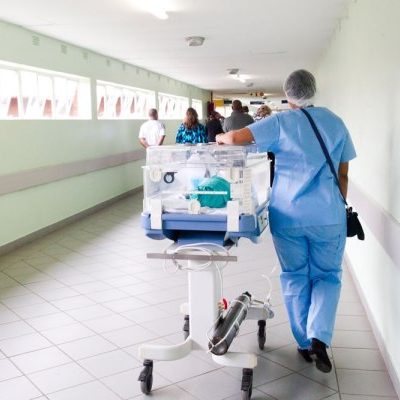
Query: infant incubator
{"points": [[205, 198], [205, 191]]}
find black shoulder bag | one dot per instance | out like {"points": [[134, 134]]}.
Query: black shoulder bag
{"points": [[353, 224]]}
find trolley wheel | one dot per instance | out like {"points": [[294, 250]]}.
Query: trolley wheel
{"points": [[247, 383], [146, 377], [262, 337], [186, 328]]}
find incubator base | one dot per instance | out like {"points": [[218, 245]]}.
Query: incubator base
{"points": [[202, 308]]}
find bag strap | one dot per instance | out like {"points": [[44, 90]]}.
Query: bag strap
{"points": [[324, 149]]}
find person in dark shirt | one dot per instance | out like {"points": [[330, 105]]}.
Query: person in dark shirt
{"points": [[213, 126], [238, 118]]}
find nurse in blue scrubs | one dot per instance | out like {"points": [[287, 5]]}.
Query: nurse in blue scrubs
{"points": [[307, 213]]}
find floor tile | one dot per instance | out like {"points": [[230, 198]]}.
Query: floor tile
{"points": [[50, 321], [365, 359], [129, 336], [126, 304], [296, 386], [86, 347], [167, 393], [185, 368], [7, 316], [39, 360], [126, 384], [71, 303], [256, 395], [109, 363], [365, 382], [36, 310], [145, 314], [329, 380], [61, 377], [108, 323], [266, 371], [91, 390], [361, 397], [18, 389], [354, 340], [8, 370], [21, 301], [68, 333], [88, 313], [23, 344], [352, 323], [14, 329], [288, 357]]}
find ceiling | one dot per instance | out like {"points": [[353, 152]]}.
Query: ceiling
{"points": [[265, 39]]}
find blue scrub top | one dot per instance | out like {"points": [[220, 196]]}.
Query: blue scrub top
{"points": [[304, 192]]}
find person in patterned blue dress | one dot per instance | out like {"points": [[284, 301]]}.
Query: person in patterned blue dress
{"points": [[191, 130]]}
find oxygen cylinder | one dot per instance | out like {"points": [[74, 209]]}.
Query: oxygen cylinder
{"points": [[227, 328]]}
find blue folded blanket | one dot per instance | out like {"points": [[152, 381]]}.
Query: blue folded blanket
{"points": [[213, 184]]}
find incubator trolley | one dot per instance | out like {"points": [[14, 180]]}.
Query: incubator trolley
{"points": [[204, 198]]}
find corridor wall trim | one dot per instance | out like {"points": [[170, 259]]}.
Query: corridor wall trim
{"points": [[25, 179], [385, 227]]}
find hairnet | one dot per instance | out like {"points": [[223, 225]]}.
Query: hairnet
{"points": [[300, 88]]}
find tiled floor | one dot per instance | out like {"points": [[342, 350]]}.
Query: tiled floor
{"points": [[75, 305]]}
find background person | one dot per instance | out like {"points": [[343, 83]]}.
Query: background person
{"points": [[213, 126], [191, 130], [262, 112], [152, 132], [307, 212], [238, 118]]}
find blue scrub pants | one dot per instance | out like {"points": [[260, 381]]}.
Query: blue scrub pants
{"points": [[311, 261]]}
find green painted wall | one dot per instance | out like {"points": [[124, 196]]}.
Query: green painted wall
{"points": [[32, 144], [359, 78]]}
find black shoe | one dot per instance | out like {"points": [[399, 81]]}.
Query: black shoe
{"points": [[322, 361], [305, 354]]}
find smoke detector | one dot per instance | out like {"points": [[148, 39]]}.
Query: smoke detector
{"points": [[195, 40]]}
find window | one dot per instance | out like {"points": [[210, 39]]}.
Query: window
{"points": [[9, 93], [123, 102], [198, 106], [171, 106], [31, 93]]}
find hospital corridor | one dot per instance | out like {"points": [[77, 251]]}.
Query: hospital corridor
{"points": [[199, 200]]}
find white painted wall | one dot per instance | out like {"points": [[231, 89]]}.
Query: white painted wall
{"points": [[359, 79], [26, 145]]}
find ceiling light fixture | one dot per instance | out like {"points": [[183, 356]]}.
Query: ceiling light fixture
{"points": [[195, 40], [238, 77], [234, 73], [157, 8]]}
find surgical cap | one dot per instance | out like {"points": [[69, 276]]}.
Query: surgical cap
{"points": [[300, 88]]}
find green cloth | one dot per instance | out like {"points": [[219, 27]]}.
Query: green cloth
{"points": [[213, 184]]}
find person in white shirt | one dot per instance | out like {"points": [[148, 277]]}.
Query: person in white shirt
{"points": [[152, 132]]}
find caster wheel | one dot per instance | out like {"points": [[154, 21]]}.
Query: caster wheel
{"points": [[246, 395], [261, 334], [145, 386], [247, 383], [186, 329], [146, 377]]}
